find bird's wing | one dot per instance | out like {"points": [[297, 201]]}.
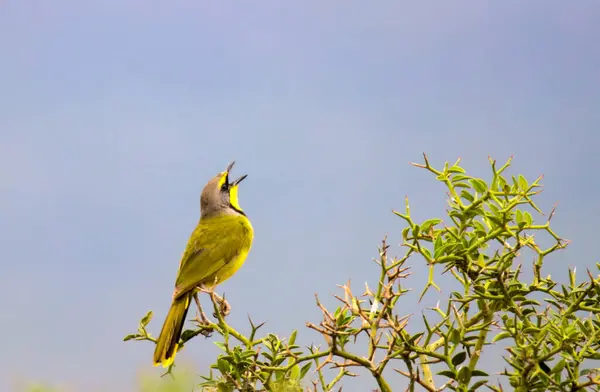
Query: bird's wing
{"points": [[208, 250]]}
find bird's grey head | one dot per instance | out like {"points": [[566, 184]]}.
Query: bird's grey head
{"points": [[220, 196]]}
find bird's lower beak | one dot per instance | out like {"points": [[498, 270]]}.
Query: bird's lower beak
{"points": [[237, 182]]}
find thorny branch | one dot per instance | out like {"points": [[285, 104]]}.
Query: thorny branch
{"points": [[489, 227]]}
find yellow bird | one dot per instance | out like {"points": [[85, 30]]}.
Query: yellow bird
{"points": [[215, 251]]}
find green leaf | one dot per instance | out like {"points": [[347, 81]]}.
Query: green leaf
{"points": [[528, 311], [460, 177], [292, 338], [223, 366], [501, 335], [467, 196], [464, 374], [461, 185], [479, 227], [527, 217], [523, 182], [477, 385], [189, 333], [129, 337], [416, 230], [146, 319], [341, 319], [405, 233], [448, 373], [295, 372], [429, 224], [426, 252], [278, 374], [494, 220], [553, 302], [222, 346], [530, 302], [560, 365], [531, 330], [479, 289], [456, 169], [459, 358], [519, 216], [479, 373], [517, 297], [479, 185], [439, 251], [305, 370], [414, 338], [501, 184], [454, 336], [480, 260], [438, 242], [223, 387]]}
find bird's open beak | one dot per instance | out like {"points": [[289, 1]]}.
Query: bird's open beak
{"points": [[236, 182]]}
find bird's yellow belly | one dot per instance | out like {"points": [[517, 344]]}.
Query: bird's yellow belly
{"points": [[228, 270], [218, 249]]}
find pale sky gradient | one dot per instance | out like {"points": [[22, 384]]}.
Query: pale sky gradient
{"points": [[113, 115]]}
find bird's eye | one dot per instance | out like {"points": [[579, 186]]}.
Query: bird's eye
{"points": [[225, 185]]}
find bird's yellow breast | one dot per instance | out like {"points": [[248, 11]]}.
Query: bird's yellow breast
{"points": [[236, 258], [217, 249]]}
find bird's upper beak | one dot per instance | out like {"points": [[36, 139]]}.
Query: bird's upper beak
{"points": [[236, 182], [229, 167]]}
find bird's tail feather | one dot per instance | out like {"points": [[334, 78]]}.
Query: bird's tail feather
{"points": [[168, 340]]}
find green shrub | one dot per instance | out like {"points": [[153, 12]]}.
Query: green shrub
{"points": [[550, 331]]}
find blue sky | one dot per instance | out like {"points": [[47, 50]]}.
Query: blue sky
{"points": [[113, 115]]}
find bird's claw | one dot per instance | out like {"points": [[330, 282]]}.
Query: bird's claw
{"points": [[204, 325], [224, 307]]}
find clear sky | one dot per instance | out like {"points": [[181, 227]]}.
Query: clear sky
{"points": [[114, 113]]}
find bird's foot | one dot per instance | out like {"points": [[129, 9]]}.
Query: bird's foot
{"points": [[205, 327], [220, 302], [224, 307]]}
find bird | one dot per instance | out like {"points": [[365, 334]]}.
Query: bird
{"points": [[216, 250]]}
